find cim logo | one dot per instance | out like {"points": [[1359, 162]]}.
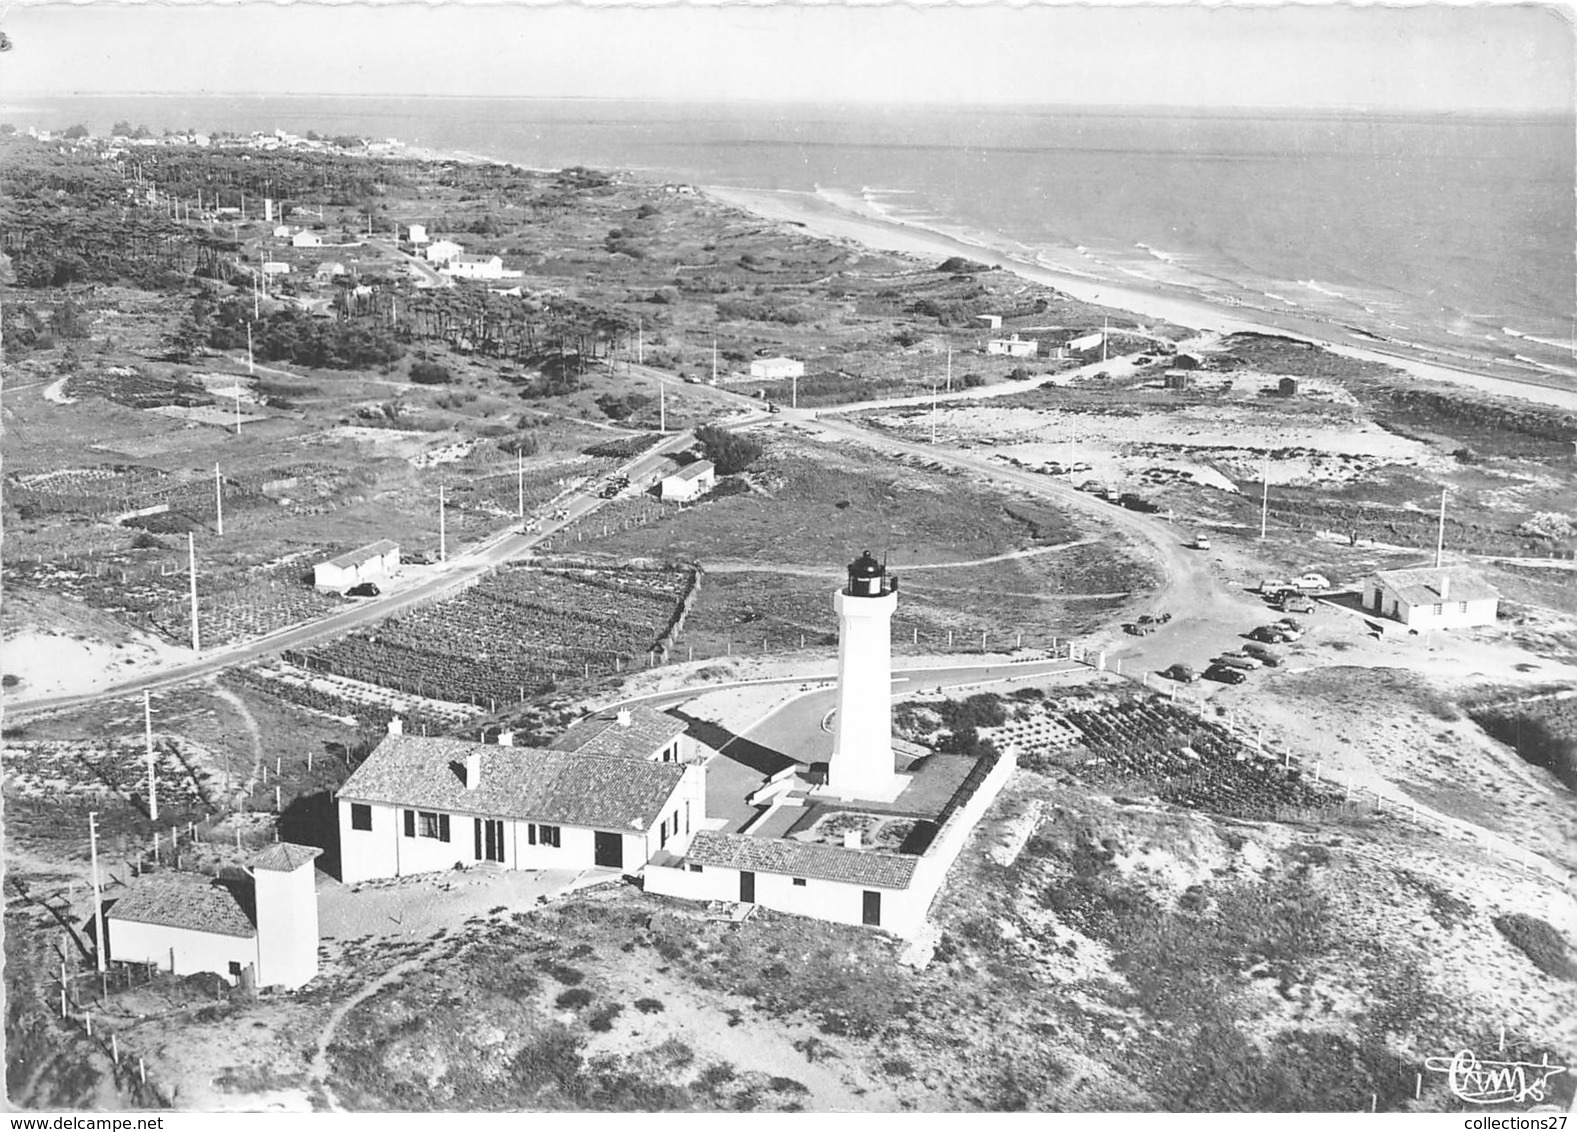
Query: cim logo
{"points": [[1495, 1082]]}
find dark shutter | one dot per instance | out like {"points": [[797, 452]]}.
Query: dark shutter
{"points": [[443, 827], [478, 838], [662, 834], [410, 823], [531, 834]]}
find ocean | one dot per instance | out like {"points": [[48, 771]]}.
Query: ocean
{"points": [[1447, 236]]}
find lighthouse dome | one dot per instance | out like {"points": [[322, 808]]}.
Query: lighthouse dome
{"points": [[866, 566], [869, 578]]}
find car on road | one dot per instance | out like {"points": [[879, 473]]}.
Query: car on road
{"points": [[1262, 653], [1295, 603], [1312, 582], [363, 589], [1182, 673], [1201, 542], [1224, 674], [1138, 628], [1135, 502], [1274, 587], [1237, 660], [1271, 635]]}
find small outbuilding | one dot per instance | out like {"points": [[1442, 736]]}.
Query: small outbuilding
{"points": [[1086, 342], [1014, 347], [475, 267], [776, 369], [690, 482], [417, 233], [442, 251], [1450, 597], [328, 270], [1288, 387], [636, 732], [374, 561], [306, 238], [263, 928]]}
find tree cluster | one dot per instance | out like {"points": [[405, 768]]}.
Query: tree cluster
{"points": [[729, 452]]}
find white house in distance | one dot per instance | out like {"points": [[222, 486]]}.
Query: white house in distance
{"points": [[1450, 597], [1014, 347], [421, 804], [1086, 342], [189, 923], [417, 233], [306, 238], [276, 267], [282, 231], [475, 267], [690, 482], [442, 251], [776, 369], [328, 270], [365, 564]]}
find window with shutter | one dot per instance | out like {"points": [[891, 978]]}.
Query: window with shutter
{"points": [[443, 827], [531, 834], [410, 823]]}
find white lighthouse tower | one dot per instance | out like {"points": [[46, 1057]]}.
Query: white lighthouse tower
{"points": [[287, 914], [862, 745]]}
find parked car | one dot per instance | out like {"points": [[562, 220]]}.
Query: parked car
{"points": [[1290, 623], [1237, 660], [1181, 673], [1201, 542], [1275, 587], [1262, 653], [363, 589], [1138, 628], [1135, 502], [1271, 635], [1295, 603], [1224, 674], [1312, 582]]}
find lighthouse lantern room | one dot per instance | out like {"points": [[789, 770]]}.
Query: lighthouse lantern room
{"points": [[862, 750]]}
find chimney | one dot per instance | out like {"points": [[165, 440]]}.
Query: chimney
{"points": [[506, 738], [1445, 586], [851, 839], [396, 725], [625, 717], [473, 770]]}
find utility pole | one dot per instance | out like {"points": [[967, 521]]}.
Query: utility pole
{"points": [[949, 367], [933, 410], [1264, 496], [794, 392], [520, 482], [98, 898], [1106, 330], [153, 774], [714, 361], [1440, 534], [662, 406], [191, 566], [219, 502], [251, 365], [443, 547], [640, 341]]}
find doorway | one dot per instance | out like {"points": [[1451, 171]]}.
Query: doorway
{"points": [[609, 851], [489, 840], [871, 913], [747, 888]]}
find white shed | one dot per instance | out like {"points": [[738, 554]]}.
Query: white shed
{"points": [[1014, 347], [375, 560], [1450, 597], [306, 238], [776, 369], [689, 482], [442, 251]]}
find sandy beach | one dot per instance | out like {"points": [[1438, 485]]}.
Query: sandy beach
{"points": [[823, 219]]}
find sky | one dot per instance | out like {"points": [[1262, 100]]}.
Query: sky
{"points": [[1500, 57]]}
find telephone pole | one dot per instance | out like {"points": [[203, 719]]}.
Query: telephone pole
{"points": [[443, 547], [520, 482], [191, 566], [1264, 496], [153, 774], [1440, 533], [949, 367], [219, 501], [933, 410], [98, 896]]}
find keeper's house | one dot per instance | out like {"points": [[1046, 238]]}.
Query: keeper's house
{"points": [[1450, 597], [690, 482], [369, 563], [419, 805], [264, 931]]}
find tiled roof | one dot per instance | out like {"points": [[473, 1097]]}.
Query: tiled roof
{"points": [[649, 731], [525, 783], [1421, 586], [798, 858], [284, 857], [693, 471], [185, 900], [363, 554]]}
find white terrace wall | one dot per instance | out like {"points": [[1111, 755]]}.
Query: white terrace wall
{"points": [[931, 873], [193, 952]]}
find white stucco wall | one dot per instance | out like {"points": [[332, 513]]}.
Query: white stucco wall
{"points": [[862, 752], [287, 927], [194, 952]]}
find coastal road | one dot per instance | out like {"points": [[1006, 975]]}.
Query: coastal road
{"points": [[431, 582]]}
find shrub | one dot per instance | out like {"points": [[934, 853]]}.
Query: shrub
{"points": [[1540, 942], [648, 1005], [573, 999], [602, 1020], [427, 372], [729, 452]]}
